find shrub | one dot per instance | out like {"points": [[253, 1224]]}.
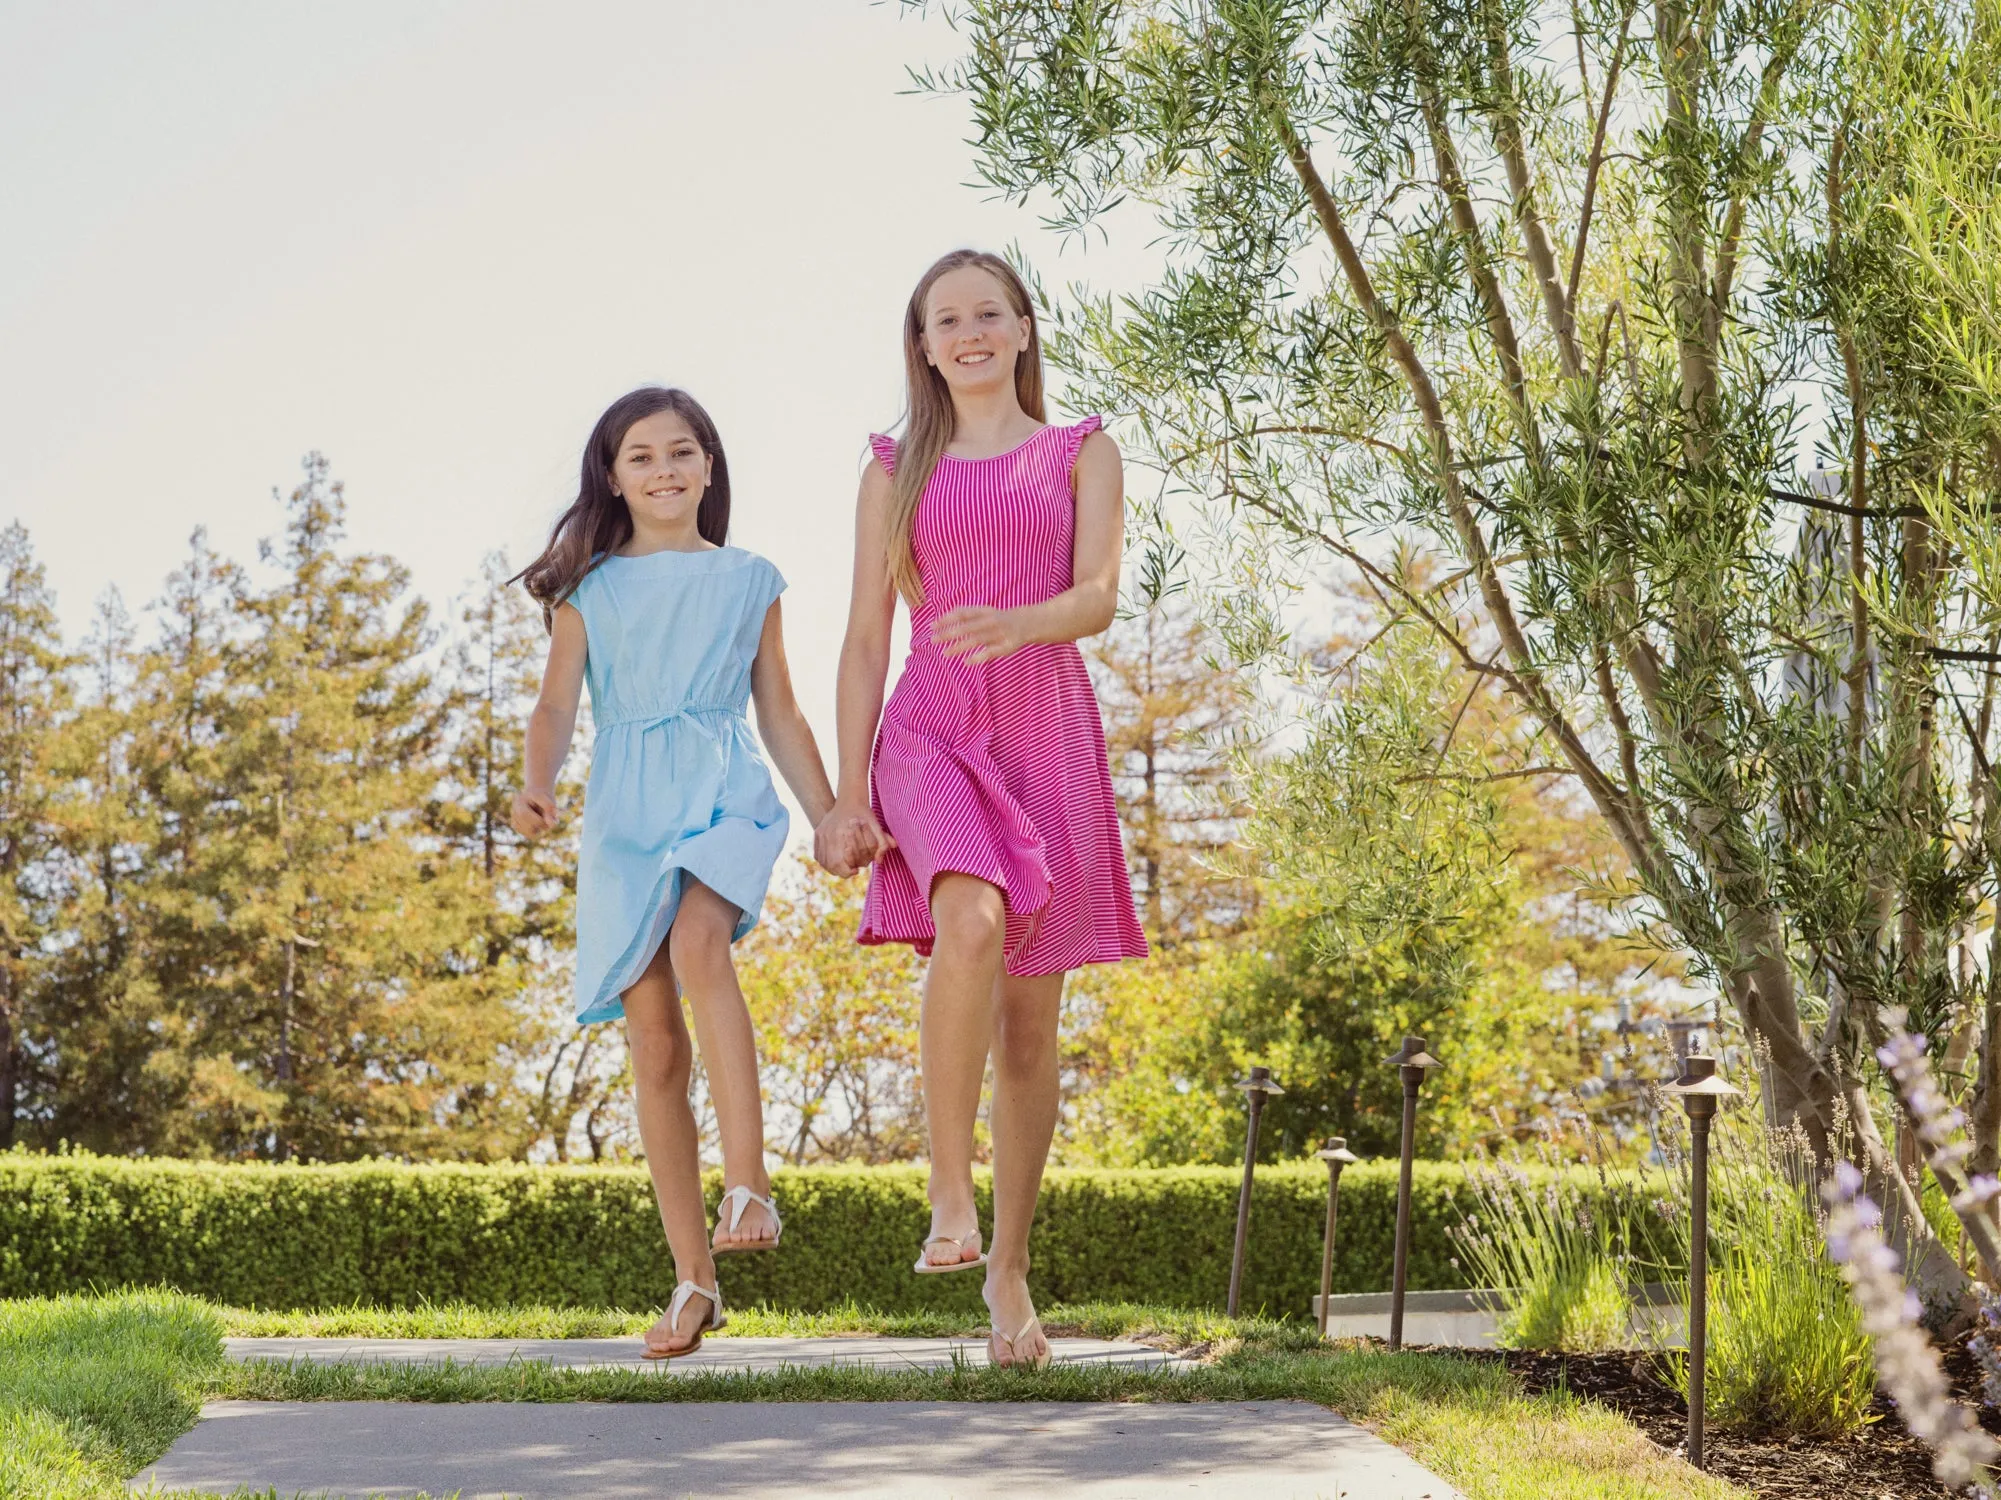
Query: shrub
{"points": [[1787, 1351], [1556, 1247], [393, 1235]]}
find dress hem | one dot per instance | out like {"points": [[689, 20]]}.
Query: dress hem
{"points": [[871, 938], [665, 902]]}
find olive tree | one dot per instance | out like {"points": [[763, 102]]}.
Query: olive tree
{"points": [[1588, 334]]}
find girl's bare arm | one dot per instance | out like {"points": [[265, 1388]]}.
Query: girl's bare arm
{"points": [[851, 837], [551, 725], [783, 726]]}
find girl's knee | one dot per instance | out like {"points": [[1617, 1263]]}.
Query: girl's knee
{"points": [[1023, 1046], [968, 916], [661, 1054], [699, 942]]}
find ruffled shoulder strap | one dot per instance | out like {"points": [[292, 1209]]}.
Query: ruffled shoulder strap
{"points": [[885, 451], [1073, 438]]}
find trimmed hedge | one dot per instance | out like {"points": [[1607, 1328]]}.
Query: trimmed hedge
{"points": [[391, 1235]]}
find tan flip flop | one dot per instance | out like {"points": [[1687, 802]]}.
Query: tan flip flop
{"points": [[925, 1267]]}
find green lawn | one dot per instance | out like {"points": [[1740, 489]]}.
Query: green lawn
{"points": [[94, 1388], [1167, 1327]]}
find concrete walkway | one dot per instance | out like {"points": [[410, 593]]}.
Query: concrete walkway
{"points": [[716, 1356], [1281, 1450]]}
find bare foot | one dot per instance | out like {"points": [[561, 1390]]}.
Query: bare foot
{"points": [[755, 1227], [1017, 1338]]}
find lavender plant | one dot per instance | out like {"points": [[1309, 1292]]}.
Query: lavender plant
{"points": [[1906, 1363], [1553, 1262]]}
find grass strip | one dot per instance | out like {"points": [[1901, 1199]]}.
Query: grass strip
{"points": [[1166, 1327]]}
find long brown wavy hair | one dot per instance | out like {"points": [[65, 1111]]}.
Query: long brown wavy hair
{"points": [[931, 420], [598, 521]]}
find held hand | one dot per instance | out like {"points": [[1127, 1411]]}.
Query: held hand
{"points": [[829, 848], [978, 633], [870, 840], [534, 814], [849, 838]]}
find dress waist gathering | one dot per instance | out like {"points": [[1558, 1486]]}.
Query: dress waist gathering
{"points": [[661, 716]]}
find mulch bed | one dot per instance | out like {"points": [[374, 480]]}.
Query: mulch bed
{"points": [[1882, 1462]]}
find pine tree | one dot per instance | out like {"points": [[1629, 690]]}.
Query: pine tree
{"points": [[527, 890], [1170, 718], [96, 1005], [34, 695], [182, 717], [318, 950]]}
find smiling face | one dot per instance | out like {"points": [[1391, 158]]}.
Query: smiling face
{"points": [[660, 473], [972, 334]]}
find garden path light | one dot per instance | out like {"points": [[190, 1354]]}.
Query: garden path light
{"points": [[1411, 1060], [1255, 1088], [1337, 1155], [1699, 1088]]}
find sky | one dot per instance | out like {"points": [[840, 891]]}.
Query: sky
{"points": [[434, 239]]}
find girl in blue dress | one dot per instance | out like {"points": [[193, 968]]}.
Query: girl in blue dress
{"points": [[674, 629]]}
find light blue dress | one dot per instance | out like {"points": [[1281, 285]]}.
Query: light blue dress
{"points": [[678, 786]]}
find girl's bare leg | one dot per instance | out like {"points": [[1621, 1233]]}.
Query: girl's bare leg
{"points": [[1026, 1089], [956, 1029], [700, 945], [662, 1059]]}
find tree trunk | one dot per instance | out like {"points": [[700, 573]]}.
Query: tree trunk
{"points": [[10, 1072]]}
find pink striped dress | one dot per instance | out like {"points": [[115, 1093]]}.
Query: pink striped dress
{"points": [[999, 770]]}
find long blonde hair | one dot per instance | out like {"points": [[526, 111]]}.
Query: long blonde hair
{"points": [[931, 420]]}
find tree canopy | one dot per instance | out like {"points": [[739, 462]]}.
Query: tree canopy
{"points": [[1643, 357]]}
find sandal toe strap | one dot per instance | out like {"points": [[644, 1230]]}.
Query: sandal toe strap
{"points": [[685, 1293], [740, 1197]]}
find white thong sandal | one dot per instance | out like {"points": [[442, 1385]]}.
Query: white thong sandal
{"points": [[686, 1292], [926, 1267], [737, 1199]]}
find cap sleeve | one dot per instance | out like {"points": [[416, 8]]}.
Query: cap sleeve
{"points": [[770, 585], [585, 598], [1075, 436], [885, 451]]}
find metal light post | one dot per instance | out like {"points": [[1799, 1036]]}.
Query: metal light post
{"points": [[1337, 1155], [1255, 1088], [1699, 1088], [1410, 1061]]}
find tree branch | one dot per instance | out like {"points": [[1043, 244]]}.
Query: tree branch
{"points": [[1733, 224], [1492, 775], [1513, 149], [1596, 162], [1500, 322], [1526, 681]]}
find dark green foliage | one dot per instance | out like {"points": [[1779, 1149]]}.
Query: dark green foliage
{"points": [[392, 1235]]}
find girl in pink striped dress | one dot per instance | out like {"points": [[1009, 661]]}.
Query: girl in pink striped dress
{"points": [[981, 790]]}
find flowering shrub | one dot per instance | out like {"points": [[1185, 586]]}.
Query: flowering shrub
{"points": [[1554, 1253], [1906, 1363], [1905, 1360]]}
